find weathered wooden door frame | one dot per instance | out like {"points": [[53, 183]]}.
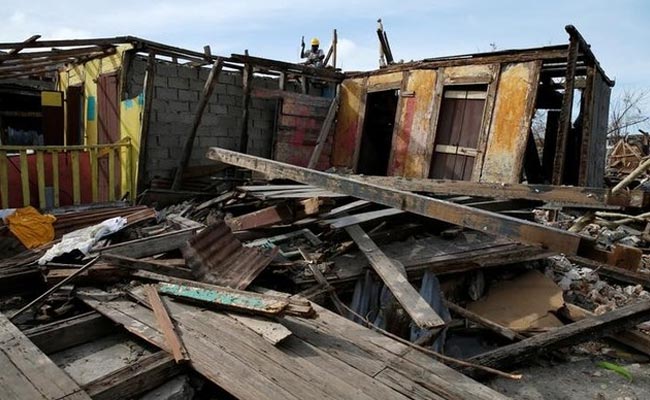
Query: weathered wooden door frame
{"points": [[399, 85], [444, 81]]}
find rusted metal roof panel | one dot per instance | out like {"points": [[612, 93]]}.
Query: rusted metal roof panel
{"points": [[216, 256]]}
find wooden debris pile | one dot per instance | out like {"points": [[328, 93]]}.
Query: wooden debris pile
{"points": [[328, 286]]}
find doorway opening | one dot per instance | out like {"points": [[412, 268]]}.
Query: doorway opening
{"points": [[377, 134]]}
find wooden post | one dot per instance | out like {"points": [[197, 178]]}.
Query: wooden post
{"points": [[146, 117], [334, 46], [564, 126], [324, 131], [247, 80], [210, 83]]}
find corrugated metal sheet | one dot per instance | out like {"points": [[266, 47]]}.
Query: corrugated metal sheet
{"points": [[217, 257]]}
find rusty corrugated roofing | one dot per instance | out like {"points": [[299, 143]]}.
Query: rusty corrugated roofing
{"points": [[216, 256]]}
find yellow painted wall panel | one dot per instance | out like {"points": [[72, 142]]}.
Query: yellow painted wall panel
{"points": [[347, 123], [413, 146], [464, 71], [393, 77], [130, 127], [510, 123]]}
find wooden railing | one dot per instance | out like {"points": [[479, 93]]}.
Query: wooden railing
{"points": [[94, 173]]}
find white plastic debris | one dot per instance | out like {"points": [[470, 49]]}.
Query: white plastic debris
{"points": [[83, 239]]}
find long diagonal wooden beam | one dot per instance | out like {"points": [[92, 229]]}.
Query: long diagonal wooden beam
{"points": [[484, 221]]}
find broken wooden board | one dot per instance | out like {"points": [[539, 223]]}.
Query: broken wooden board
{"points": [[27, 373], [633, 338], [226, 298], [145, 374], [415, 306], [150, 246], [583, 197], [320, 363], [354, 219], [577, 332], [166, 325], [484, 221]]}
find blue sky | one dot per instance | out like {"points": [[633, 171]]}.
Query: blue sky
{"points": [[619, 32]]}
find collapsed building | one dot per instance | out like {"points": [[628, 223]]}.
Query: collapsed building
{"points": [[432, 169]]}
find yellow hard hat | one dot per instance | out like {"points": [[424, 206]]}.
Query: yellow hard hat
{"points": [[315, 42]]}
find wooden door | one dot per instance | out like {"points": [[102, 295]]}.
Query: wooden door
{"points": [[108, 130], [74, 115], [457, 134]]}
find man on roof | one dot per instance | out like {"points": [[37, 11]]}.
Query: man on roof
{"points": [[315, 55]]}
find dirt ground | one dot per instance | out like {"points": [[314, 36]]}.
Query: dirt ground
{"points": [[577, 379]]}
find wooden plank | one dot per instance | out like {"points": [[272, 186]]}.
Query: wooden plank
{"points": [[577, 332], [226, 298], [355, 219], [76, 188], [132, 380], [4, 180], [55, 178], [69, 332], [261, 218], [206, 93], [147, 265], [415, 306], [247, 83], [325, 131], [152, 245], [20, 355], [578, 196], [632, 337], [24, 177], [166, 325], [14, 385], [148, 90], [40, 174], [273, 332], [484, 221]]}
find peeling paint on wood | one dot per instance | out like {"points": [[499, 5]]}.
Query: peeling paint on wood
{"points": [[413, 157], [510, 123], [347, 126], [226, 298]]}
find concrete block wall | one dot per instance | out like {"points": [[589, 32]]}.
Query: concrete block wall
{"points": [[176, 93]]}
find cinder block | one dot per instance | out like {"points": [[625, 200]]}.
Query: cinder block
{"points": [[178, 83], [228, 100], [166, 93], [188, 72], [187, 95], [197, 84], [236, 90], [166, 69], [219, 109], [179, 106]]}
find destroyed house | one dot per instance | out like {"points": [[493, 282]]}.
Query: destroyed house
{"points": [[133, 103], [469, 117]]}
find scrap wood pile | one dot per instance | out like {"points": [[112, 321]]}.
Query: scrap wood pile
{"points": [[291, 290]]}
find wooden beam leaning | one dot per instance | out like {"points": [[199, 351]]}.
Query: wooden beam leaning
{"points": [[324, 131], [572, 195], [166, 325], [210, 83], [485, 221], [415, 306], [146, 118], [577, 332]]}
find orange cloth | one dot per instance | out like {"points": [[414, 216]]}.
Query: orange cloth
{"points": [[31, 227]]}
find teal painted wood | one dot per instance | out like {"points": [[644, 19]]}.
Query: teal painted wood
{"points": [[227, 298]]}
